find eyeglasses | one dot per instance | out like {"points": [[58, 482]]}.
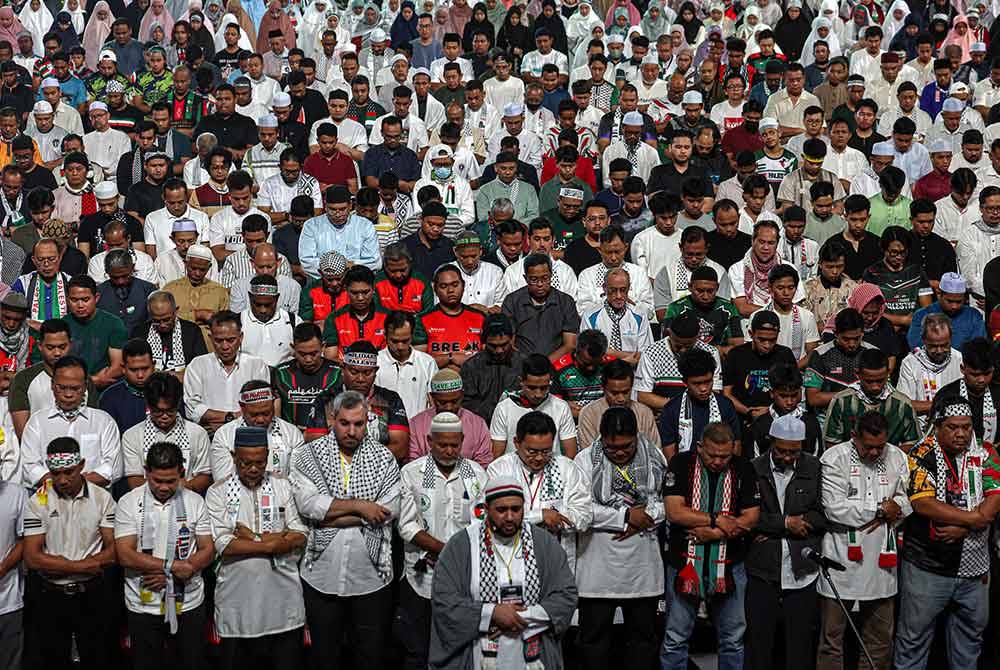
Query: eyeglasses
{"points": [[540, 281]]}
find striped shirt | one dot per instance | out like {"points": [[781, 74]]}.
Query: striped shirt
{"points": [[846, 407]]}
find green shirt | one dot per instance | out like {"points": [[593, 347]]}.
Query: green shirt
{"points": [[719, 323], [884, 215], [563, 232], [822, 230], [92, 340], [548, 197], [846, 407], [153, 89]]}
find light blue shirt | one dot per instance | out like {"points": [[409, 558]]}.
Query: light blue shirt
{"points": [[356, 240]]}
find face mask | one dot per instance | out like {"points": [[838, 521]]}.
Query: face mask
{"points": [[442, 172], [615, 53]]}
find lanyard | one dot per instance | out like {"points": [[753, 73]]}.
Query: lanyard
{"points": [[625, 475], [538, 487], [508, 563], [345, 468]]}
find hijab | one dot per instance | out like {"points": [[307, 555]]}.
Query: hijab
{"points": [[35, 22], [904, 42], [364, 27], [963, 41], [634, 17], [791, 34], [652, 27], [691, 27], [202, 36], [473, 26], [891, 25], [459, 16], [555, 25], [77, 14], [580, 24], [496, 15], [213, 16], [514, 33], [404, 30], [855, 29], [283, 23], [235, 7], [830, 11], [156, 14], [68, 36], [220, 35], [831, 40], [746, 30]]}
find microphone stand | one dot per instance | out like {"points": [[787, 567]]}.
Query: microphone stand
{"points": [[825, 571]]}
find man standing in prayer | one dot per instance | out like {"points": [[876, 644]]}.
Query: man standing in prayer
{"points": [[503, 592], [347, 487], [439, 497], [258, 535]]}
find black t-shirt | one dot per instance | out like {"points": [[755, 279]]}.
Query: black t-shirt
{"points": [[678, 483], [883, 336], [295, 135], [761, 429], [286, 241], [310, 109], [865, 144], [234, 132], [226, 62], [39, 177], [725, 251], [666, 178], [856, 262], [579, 255], [303, 395], [748, 372], [144, 198], [92, 230], [934, 254]]}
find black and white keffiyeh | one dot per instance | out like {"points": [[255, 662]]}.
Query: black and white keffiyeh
{"points": [[989, 411], [373, 472], [163, 360], [611, 488], [266, 522], [615, 316], [686, 419], [489, 587], [176, 435], [429, 482]]}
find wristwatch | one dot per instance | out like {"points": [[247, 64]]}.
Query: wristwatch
{"points": [[712, 517]]}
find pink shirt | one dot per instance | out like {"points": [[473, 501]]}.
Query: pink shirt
{"points": [[476, 444]]}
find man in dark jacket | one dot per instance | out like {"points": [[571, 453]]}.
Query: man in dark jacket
{"points": [[781, 584], [493, 370]]}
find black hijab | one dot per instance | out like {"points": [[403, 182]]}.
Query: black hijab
{"points": [[555, 25], [691, 27], [515, 35], [473, 26], [791, 35]]}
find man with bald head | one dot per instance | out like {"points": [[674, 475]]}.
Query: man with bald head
{"points": [[266, 261]]}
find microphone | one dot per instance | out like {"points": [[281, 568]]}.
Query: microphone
{"points": [[819, 559]]}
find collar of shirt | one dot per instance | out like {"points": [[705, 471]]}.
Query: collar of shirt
{"points": [[83, 412], [274, 319]]}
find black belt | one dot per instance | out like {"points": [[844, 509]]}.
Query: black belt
{"points": [[71, 589]]}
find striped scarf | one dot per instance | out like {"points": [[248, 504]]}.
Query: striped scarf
{"points": [[705, 574]]}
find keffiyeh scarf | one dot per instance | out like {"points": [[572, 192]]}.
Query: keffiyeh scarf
{"points": [[755, 286], [176, 435], [550, 485], [887, 556], [371, 473], [16, 344], [429, 483], [989, 412], [180, 544], [962, 487], [694, 581], [798, 334], [164, 360], [616, 316], [685, 424], [266, 518], [934, 368], [632, 485]]}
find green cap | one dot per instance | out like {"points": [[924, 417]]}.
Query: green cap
{"points": [[468, 238]]}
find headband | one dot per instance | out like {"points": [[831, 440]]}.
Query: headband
{"points": [[264, 289], [361, 359], [256, 395], [63, 460]]}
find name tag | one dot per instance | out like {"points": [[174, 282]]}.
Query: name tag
{"points": [[512, 594]]}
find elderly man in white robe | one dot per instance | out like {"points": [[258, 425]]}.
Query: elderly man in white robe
{"points": [[556, 496], [256, 410], [619, 562], [259, 537], [613, 249], [105, 145], [438, 498], [503, 592]]}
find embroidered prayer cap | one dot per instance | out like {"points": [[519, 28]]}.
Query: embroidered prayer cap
{"points": [[446, 422], [952, 105], [468, 238], [788, 427], [958, 87], [763, 319], [940, 146], [76, 158], [115, 86], [952, 282], [14, 301], [97, 106], [361, 354], [50, 82], [250, 436], [446, 381], [615, 39], [268, 121], [42, 107], [110, 55], [502, 486], [106, 189], [423, 71], [55, 229], [883, 149], [333, 263], [281, 100], [855, 81], [378, 36], [632, 119], [767, 122], [200, 252], [396, 58], [692, 98], [977, 47], [574, 193], [440, 151], [513, 109], [184, 226], [25, 33], [156, 155], [651, 59], [242, 82]]}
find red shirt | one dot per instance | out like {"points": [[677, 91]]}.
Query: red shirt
{"points": [[932, 186], [739, 139], [335, 170], [584, 170], [446, 333], [342, 328], [320, 304], [414, 296]]}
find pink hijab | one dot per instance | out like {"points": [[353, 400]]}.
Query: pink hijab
{"points": [[269, 23], [634, 16], [964, 41], [863, 294], [96, 33], [10, 33], [151, 18]]}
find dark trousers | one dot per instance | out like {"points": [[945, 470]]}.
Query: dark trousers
{"points": [[596, 630], [281, 651], [11, 639], [413, 627], [329, 616], [57, 617], [154, 648], [770, 609]]}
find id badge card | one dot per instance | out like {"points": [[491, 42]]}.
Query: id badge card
{"points": [[512, 594]]}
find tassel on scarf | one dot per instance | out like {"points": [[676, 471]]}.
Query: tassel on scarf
{"points": [[854, 552]]}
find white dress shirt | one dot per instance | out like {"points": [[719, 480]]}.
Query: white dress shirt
{"points": [[437, 69], [277, 195], [482, 286], [93, 429], [499, 94], [411, 378], [12, 501], [975, 249], [414, 130], [951, 220], [105, 148], [782, 478], [456, 196], [160, 224], [207, 385], [529, 147], [145, 268], [510, 410], [283, 438], [846, 164], [918, 383], [646, 157], [590, 293]]}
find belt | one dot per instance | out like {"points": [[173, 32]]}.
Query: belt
{"points": [[71, 589]]}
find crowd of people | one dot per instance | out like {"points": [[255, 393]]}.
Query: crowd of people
{"points": [[380, 334]]}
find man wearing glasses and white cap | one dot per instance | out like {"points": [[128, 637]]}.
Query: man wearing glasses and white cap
{"points": [[105, 145]]}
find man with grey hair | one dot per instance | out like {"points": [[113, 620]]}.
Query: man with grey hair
{"points": [[174, 341], [501, 210], [347, 490], [116, 236], [123, 294], [266, 261], [195, 173], [931, 366]]}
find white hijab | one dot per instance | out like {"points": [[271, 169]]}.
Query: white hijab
{"points": [[77, 14], [831, 12], [35, 22], [220, 34], [831, 40], [891, 26]]}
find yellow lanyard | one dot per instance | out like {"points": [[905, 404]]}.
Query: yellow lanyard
{"points": [[345, 467], [625, 475], [508, 563]]}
